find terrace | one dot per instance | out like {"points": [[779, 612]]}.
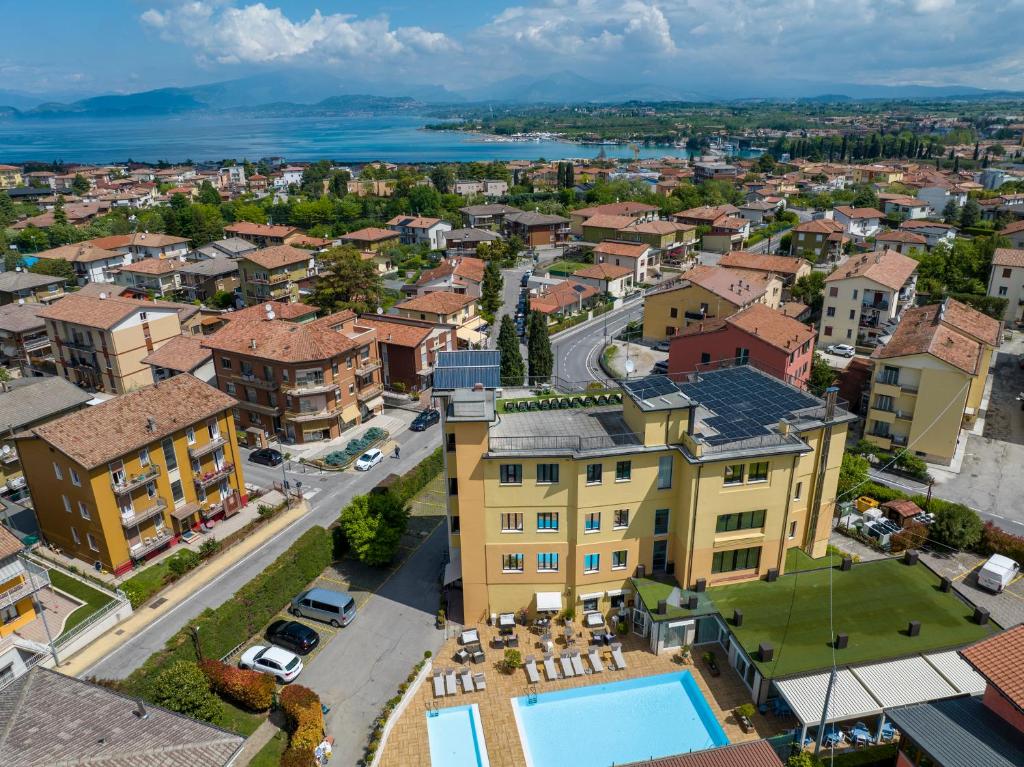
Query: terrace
{"points": [[571, 431]]}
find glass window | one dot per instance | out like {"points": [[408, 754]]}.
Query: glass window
{"points": [[664, 472], [798, 491], [737, 559], [746, 520], [176, 491], [617, 600], [593, 474], [792, 529], [75, 479], [92, 542], [758, 472], [619, 559], [455, 524], [84, 510], [547, 562], [590, 604], [661, 522], [512, 522], [167, 445], [620, 518], [547, 520], [57, 472], [547, 473], [74, 535], [450, 442], [453, 486], [144, 456], [591, 563], [592, 522], [190, 435], [511, 473], [734, 474], [623, 471], [225, 362], [67, 504], [512, 563]]}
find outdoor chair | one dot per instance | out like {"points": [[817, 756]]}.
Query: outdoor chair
{"points": [[449, 682], [438, 685], [577, 663], [461, 656], [467, 680], [550, 670], [594, 656], [617, 658], [531, 670], [567, 669], [478, 656], [480, 681]]}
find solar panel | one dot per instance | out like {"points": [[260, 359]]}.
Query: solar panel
{"points": [[650, 386], [465, 369], [469, 357]]}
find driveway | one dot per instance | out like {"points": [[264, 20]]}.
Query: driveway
{"points": [[361, 668]]}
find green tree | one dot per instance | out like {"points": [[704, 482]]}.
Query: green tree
{"points": [[222, 299], [207, 194], [951, 213], [54, 267], [8, 213], [822, 375], [31, 240], [443, 178], [955, 525], [803, 759], [347, 282], [184, 688], [852, 473], [250, 212], [424, 201], [538, 347], [866, 197], [491, 289], [810, 289], [512, 367], [80, 184], [59, 215], [373, 526], [12, 260], [970, 214]]}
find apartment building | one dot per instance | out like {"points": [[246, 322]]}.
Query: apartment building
{"points": [[202, 280], [705, 293], [23, 341], [488, 216], [262, 235], [788, 269], [865, 297], [819, 240], [636, 212], [929, 379], [372, 238], [302, 382], [10, 176], [420, 230], [182, 354], [460, 274], [639, 257], [20, 581], [151, 276], [537, 229], [1007, 281], [91, 264], [120, 481], [273, 273], [21, 287], [442, 308], [99, 342], [901, 240], [706, 481], [141, 245], [858, 222], [408, 349]]}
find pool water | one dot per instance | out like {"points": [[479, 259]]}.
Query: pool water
{"points": [[456, 737], [618, 722]]}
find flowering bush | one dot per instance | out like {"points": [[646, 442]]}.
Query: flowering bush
{"points": [[304, 717], [249, 689]]}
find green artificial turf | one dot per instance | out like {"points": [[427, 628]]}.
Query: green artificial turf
{"points": [[95, 600], [872, 603]]}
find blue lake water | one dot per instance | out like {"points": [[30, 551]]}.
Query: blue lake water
{"points": [[202, 137]]}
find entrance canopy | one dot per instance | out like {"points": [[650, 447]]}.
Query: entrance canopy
{"points": [[453, 570], [549, 601]]}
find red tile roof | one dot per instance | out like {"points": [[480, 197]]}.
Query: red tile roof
{"points": [[738, 288], [370, 234], [898, 235], [757, 753], [1013, 257], [396, 333], [277, 256], [819, 226], [740, 259], [1016, 226], [950, 331], [603, 272], [850, 212], [622, 248], [279, 340], [772, 326], [886, 267], [605, 221], [181, 353], [438, 302], [242, 228], [1000, 659]]}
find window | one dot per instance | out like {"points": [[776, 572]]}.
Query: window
{"points": [[176, 491], [855, 294], [453, 486], [746, 520], [661, 521], [84, 510], [455, 525], [833, 292], [92, 542], [883, 402], [849, 333], [738, 559], [734, 474], [798, 491], [75, 479], [620, 519], [144, 456], [1006, 273], [57, 472], [830, 311], [673, 312], [547, 562], [142, 316], [591, 563], [512, 522], [664, 472], [623, 471], [742, 355], [593, 474], [225, 363], [511, 473], [547, 473], [590, 604], [828, 330], [617, 600], [450, 442], [758, 472], [190, 435], [547, 520], [705, 357], [511, 563], [67, 504], [74, 536], [167, 446], [853, 314], [619, 559], [792, 529]]}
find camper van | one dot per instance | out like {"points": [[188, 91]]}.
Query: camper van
{"points": [[997, 573]]}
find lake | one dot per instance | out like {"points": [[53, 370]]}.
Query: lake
{"points": [[206, 137]]}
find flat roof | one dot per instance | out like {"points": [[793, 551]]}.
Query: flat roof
{"points": [[561, 430], [961, 732]]}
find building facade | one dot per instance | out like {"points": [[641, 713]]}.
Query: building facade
{"points": [[273, 274], [1007, 281]]}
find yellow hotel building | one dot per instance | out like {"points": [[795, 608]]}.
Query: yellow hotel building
{"points": [[710, 479], [121, 481]]}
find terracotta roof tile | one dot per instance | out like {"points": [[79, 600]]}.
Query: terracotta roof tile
{"points": [[772, 327], [618, 209], [438, 302], [708, 213], [1016, 226], [950, 331], [603, 272], [279, 340], [850, 212], [370, 234], [397, 333], [606, 221], [622, 248], [741, 259], [153, 266], [243, 228], [142, 239], [819, 226], [659, 227], [471, 269], [181, 353], [1000, 659], [1013, 257], [885, 267], [758, 753], [920, 224], [738, 288], [83, 252], [898, 235], [414, 222], [277, 256], [96, 312], [10, 544], [284, 311]]}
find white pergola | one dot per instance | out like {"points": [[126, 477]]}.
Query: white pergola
{"points": [[866, 691]]}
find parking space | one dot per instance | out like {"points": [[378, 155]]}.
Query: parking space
{"points": [[1006, 609]]}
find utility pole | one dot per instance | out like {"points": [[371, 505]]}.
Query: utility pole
{"points": [[824, 711]]}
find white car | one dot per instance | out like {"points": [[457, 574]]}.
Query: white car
{"points": [[369, 459], [843, 350], [285, 666]]}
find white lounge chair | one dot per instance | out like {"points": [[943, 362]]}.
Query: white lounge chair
{"points": [[567, 669], [595, 660], [438, 685], [577, 663], [449, 682], [467, 680], [617, 659], [549, 667], [481, 681], [531, 670]]}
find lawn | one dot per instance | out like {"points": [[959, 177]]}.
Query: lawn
{"points": [[798, 561], [270, 754], [146, 582], [565, 268], [95, 600], [237, 720], [872, 603]]}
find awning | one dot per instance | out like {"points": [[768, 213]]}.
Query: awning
{"points": [[595, 595], [618, 592], [185, 511], [470, 336], [375, 403], [549, 601], [453, 570]]}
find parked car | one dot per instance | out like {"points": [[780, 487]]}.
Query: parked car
{"points": [[662, 346], [283, 665], [292, 635], [526, 279], [425, 420], [997, 573], [335, 607], [369, 459], [660, 368], [266, 456], [842, 350]]}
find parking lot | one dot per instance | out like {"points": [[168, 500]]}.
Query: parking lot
{"points": [[1006, 609]]}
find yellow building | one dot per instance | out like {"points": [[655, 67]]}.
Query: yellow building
{"points": [[120, 481], [10, 176], [929, 380], [712, 480], [274, 273], [19, 580], [99, 341], [705, 293], [444, 308]]}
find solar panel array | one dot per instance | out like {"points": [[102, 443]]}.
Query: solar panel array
{"points": [[650, 386], [465, 369], [745, 402]]}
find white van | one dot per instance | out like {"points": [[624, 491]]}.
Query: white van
{"points": [[997, 573]]}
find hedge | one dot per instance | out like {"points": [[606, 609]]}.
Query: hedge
{"points": [[246, 613], [250, 690], [417, 478], [995, 540], [304, 720]]}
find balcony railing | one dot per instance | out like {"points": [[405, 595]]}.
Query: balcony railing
{"points": [[149, 544], [205, 478], [568, 442], [83, 346], [138, 480], [367, 367], [250, 379], [898, 439], [369, 392], [33, 579], [301, 416], [272, 279], [301, 388], [198, 451], [877, 305], [904, 415], [35, 344], [135, 517]]}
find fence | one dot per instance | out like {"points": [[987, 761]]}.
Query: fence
{"points": [[752, 443], [569, 442]]}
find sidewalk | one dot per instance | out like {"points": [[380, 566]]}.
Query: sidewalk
{"points": [[393, 423], [173, 595]]}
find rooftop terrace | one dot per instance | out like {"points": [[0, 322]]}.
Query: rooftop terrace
{"points": [[577, 430]]}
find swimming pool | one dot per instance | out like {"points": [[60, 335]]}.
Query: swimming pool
{"points": [[456, 737], [617, 722]]}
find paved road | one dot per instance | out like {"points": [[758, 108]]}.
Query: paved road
{"points": [[577, 350], [327, 494]]}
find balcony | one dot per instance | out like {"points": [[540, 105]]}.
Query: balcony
{"points": [[198, 451], [882, 415], [250, 379], [899, 439], [82, 346], [303, 416], [133, 518], [366, 367], [256, 407], [303, 388], [272, 279], [127, 484], [878, 306], [34, 578], [35, 344], [905, 415], [207, 478], [139, 550], [369, 392]]}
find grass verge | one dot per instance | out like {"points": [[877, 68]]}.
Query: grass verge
{"points": [[270, 754], [94, 599], [237, 720]]}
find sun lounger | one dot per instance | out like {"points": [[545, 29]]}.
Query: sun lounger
{"points": [[480, 681], [549, 667], [595, 660], [449, 682], [617, 659], [577, 663], [467, 680], [531, 670], [567, 669], [438, 685]]}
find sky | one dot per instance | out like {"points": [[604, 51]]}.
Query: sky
{"points": [[122, 46]]}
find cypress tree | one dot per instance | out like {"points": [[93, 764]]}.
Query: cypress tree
{"points": [[538, 346], [512, 366]]}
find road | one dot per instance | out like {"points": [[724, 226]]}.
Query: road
{"points": [[578, 349], [327, 494]]}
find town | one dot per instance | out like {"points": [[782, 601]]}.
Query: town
{"points": [[697, 460]]}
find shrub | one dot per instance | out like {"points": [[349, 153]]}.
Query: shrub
{"points": [[511, 661], [955, 525], [209, 547], [802, 759], [912, 536], [747, 710], [373, 526], [295, 757], [304, 718], [183, 561], [995, 540], [183, 687], [248, 689], [417, 478]]}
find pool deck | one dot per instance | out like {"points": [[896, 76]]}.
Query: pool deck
{"points": [[408, 745]]}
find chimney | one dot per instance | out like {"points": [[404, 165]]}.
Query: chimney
{"points": [[150, 424], [140, 709], [252, 343]]}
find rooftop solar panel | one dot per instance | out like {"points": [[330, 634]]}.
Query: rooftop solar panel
{"points": [[469, 357], [465, 369]]}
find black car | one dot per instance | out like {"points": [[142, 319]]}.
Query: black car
{"points": [[267, 456], [425, 420], [292, 635]]}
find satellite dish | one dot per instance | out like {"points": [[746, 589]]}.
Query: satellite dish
{"points": [[630, 366], [380, 310]]}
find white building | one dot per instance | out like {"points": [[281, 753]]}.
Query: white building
{"points": [[419, 230], [858, 222], [1007, 281]]}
